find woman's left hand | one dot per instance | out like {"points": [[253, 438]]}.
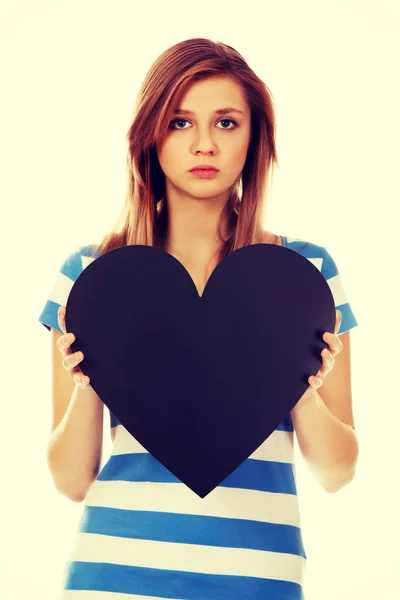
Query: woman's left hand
{"points": [[336, 346]]}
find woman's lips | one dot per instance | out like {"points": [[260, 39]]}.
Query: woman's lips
{"points": [[204, 166], [204, 173]]}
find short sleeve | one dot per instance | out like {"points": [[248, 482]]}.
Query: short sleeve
{"points": [[68, 273], [330, 271]]}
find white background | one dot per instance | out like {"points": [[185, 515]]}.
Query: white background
{"points": [[70, 72]]}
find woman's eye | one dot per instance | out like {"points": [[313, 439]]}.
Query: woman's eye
{"points": [[185, 120]]}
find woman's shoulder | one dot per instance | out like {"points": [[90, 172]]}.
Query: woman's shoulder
{"points": [[78, 260], [90, 250], [317, 254], [271, 238], [300, 245]]}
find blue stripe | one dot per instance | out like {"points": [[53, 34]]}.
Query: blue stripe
{"points": [[113, 420], [176, 584], [91, 250], [72, 266], [193, 529], [261, 475], [329, 268], [306, 249], [49, 315], [348, 319]]}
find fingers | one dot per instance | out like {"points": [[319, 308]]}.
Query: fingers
{"points": [[70, 360], [328, 361], [70, 363], [316, 381], [81, 379], [334, 341], [65, 341], [61, 318], [338, 320]]}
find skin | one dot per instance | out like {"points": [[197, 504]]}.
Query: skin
{"points": [[71, 360], [196, 206], [328, 360]]}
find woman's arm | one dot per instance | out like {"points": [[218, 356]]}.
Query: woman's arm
{"points": [[329, 446], [75, 446], [324, 423]]}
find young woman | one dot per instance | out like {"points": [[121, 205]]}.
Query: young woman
{"points": [[143, 533]]}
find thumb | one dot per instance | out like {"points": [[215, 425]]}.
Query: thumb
{"points": [[338, 321]]}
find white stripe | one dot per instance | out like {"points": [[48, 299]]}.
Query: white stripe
{"points": [[317, 262], [92, 547], [86, 260], [63, 284], [61, 289], [277, 447], [337, 290], [97, 595], [177, 498]]}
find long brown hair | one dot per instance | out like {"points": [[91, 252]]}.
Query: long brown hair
{"points": [[144, 217]]}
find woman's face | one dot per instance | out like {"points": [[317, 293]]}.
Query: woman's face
{"points": [[206, 137]]}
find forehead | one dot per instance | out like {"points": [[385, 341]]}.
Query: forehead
{"points": [[211, 94]]}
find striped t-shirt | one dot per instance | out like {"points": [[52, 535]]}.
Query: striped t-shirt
{"points": [[145, 534]]}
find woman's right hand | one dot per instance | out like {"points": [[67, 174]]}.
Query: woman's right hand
{"points": [[71, 360]]}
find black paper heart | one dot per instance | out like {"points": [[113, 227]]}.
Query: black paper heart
{"points": [[200, 382]]}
